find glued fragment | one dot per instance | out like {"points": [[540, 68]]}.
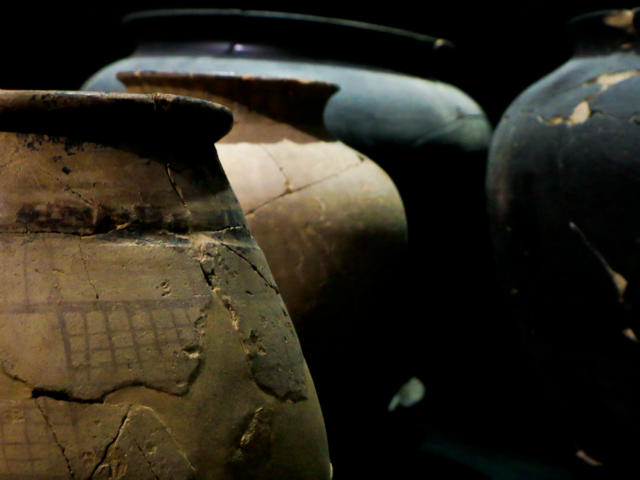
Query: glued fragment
{"points": [[620, 283], [580, 114], [552, 121], [630, 334], [255, 445], [622, 19], [607, 80], [83, 431], [232, 271], [582, 455], [145, 449], [25, 431]]}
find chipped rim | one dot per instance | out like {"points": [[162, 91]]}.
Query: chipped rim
{"points": [[123, 116], [292, 100], [291, 84]]}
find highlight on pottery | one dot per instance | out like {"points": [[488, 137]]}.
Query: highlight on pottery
{"points": [[563, 193], [142, 335], [332, 226]]}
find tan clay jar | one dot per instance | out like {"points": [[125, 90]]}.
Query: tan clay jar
{"points": [[141, 333], [332, 226]]}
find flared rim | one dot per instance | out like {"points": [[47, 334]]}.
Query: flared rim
{"points": [[113, 116]]}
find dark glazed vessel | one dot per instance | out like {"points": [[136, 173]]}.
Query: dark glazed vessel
{"points": [[563, 187], [385, 108], [141, 333]]}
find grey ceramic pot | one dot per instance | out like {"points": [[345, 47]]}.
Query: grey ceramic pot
{"points": [[563, 186]]}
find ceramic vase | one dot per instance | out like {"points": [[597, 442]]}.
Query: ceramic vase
{"points": [[332, 226], [141, 333], [395, 106], [562, 187]]}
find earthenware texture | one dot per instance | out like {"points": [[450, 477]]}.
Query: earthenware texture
{"points": [[142, 335]]}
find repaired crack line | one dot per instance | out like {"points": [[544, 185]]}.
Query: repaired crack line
{"points": [[86, 268], [144, 232], [55, 438], [619, 282], [582, 111], [253, 267], [299, 189], [175, 186], [16, 378], [287, 181], [67, 188], [116, 437], [135, 442]]}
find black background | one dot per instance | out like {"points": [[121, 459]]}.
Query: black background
{"points": [[501, 48]]}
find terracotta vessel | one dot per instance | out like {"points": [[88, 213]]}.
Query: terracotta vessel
{"points": [[563, 192], [395, 106], [141, 333], [331, 224]]}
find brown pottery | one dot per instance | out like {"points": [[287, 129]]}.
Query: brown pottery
{"points": [[332, 226], [141, 333]]}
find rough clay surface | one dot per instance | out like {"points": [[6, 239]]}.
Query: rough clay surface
{"points": [[130, 351], [256, 312], [107, 330], [143, 449], [44, 438]]}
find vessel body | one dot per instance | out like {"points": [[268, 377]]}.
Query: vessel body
{"points": [[332, 226], [562, 187], [143, 335]]}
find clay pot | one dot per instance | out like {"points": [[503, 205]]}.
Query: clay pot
{"points": [[563, 192], [332, 226], [385, 107], [141, 333], [430, 137]]}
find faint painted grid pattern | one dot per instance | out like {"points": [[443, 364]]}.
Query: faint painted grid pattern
{"points": [[101, 335], [25, 441]]}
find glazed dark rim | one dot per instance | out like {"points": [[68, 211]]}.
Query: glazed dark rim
{"points": [[602, 28], [113, 116], [306, 36]]}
